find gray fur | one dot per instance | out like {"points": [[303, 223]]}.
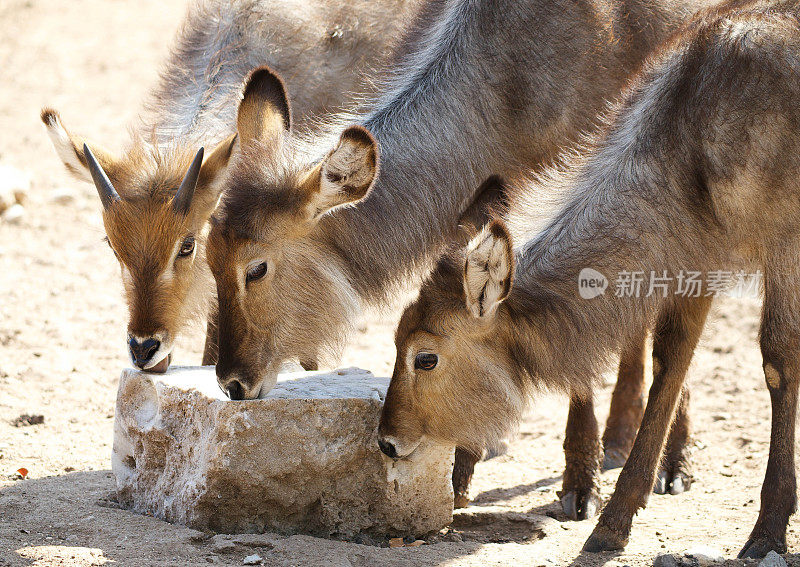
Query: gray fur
{"points": [[488, 88], [221, 41]]}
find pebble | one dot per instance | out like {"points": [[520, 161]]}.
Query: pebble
{"points": [[705, 555], [63, 196], [14, 214], [20, 197], [14, 184], [699, 556], [772, 559], [666, 560], [254, 559]]}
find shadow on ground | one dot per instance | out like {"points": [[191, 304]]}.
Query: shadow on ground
{"points": [[76, 522]]}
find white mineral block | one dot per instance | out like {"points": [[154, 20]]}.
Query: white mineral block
{"points": [[303, 459]]}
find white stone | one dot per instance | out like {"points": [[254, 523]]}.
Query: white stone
{"points": [[704, 554], [304, 459], [14, 214], [14, 184], [772, 559], [254, 559], [665, 560], [63, 196]]}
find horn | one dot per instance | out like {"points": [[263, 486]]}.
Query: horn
{"points": [[183, 198], [108, 195]]}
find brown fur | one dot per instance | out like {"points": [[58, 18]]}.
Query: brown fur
{"points": [[696, 170], [329, 52], [432, 121]]}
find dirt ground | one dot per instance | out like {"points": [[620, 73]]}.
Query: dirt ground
{"points": [[61, 349]]}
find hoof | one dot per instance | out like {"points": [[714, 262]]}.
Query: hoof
{"points": [[460, 501], [614, 458], [673, 480], [580, 504], [603, 539], [758, 547]]}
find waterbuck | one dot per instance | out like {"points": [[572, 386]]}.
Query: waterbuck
{"points": [[327, 49], [308, 233], [695, 171]]}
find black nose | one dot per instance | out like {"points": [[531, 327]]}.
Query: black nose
{"points": [[235, 391], [143, 352], [387, 448]]}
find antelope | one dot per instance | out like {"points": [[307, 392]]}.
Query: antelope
{"points": [[331, 52], [695, 170], [308, 233]]}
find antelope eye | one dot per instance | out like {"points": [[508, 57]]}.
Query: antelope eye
{"points": [[256, 272], [425, 361], [187, 247]]}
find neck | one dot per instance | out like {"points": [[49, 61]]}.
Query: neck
{"points": [[437, 147]]}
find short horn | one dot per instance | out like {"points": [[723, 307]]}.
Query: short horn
{"points": [[108, 195], [183, 198]]}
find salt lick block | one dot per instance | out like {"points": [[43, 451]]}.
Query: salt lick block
{"points": [[303, 459]]}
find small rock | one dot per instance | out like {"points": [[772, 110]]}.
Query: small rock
{"points": [[14, 214], [13, 186], [721, 416], [416, 543], [772, 559], [704, 554], [666, 560], [221, 544], [25, 420], [63, 196], [396, 542], [254, 559]]}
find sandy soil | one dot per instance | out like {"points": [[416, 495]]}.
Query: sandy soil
{"points": [[61, 349]]}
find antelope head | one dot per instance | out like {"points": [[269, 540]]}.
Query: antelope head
{"points": [[156, 208], [454, 379]]}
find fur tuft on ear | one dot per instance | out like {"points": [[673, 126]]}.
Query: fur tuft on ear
{"points": [[488, 270], [347, 174], [70, 148], [264, 110]]}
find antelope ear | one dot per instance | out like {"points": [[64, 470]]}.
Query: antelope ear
{"points": [[70, 148], [490, 201], [209, 183], [346, 175], [264, 111], [488, 270]]}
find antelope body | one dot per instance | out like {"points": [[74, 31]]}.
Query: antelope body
{"points": [[487, 87], [696, 170]]}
